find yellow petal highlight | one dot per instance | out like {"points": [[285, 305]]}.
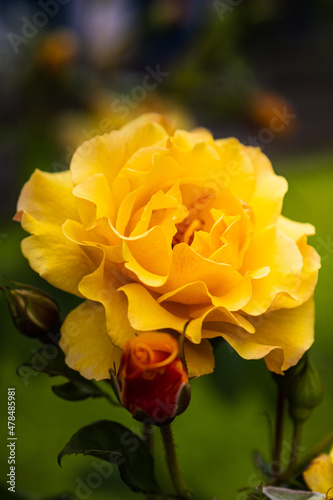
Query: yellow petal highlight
{"points": [[199, 358], [95, 199], [57, 259], [144, 313], [192, 155], [192, 293], [285, 262], [103, 154], [295, 229], [308, 277], [48, 197], [161, 120], [187, 266], [76, 232], [85, 342], [209, 322], [101, 286], [270, 189], [142, 134], [141, 253], [319, 475], [237, 172]]}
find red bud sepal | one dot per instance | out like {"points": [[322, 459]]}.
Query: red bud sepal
{"points": [[152, 383]]}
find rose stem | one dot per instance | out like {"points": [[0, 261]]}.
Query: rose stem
{"points": [[296, 443], [170, 454], [280, 411], [147, 431], [317, 449]]}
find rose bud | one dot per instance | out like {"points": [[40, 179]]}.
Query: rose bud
{"points": [[34, 312], [304, 391], [152, 380]]}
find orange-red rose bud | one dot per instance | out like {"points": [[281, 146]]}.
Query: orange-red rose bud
{"points": [[153, 382]]}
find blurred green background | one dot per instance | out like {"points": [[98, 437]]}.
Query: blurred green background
{"points": [[228, 67]]}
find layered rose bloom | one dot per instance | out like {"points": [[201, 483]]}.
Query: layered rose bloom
{"points": [[158, 229], [152, 380]]}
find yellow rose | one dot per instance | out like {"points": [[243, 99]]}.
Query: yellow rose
{"points": [[319, 475], [158, 228]]}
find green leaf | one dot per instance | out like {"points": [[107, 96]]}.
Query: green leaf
{"points": [[274, 493], [76, 392], [118, 445], [51, 360]]}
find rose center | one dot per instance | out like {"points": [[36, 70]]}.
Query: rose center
{"points": [[196, 219], [186, 229]]}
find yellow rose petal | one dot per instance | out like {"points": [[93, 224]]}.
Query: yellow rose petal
{"points": [[103, 154], [161, 120], [209, 322], [143, 134], [308, 277], [95, 199], [267, 198], [295, 229], [144, 313], [237, 172], [281, 337], [285, 262], [48, 198], [187, 266], [57, 259], [199, 358], [101, 286], [140, 254], [85, 342], [319, 475]]}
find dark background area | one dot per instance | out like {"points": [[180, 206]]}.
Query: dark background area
{"points": [[232, 66]]}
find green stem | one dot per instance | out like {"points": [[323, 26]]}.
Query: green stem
{"points": [[147, 431], [280, 412], [296, 443], [297, 467], [170, 454]]}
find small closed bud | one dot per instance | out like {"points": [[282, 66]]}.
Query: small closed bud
{"points": [[152, 380], [34, 312], [304, 391]]}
